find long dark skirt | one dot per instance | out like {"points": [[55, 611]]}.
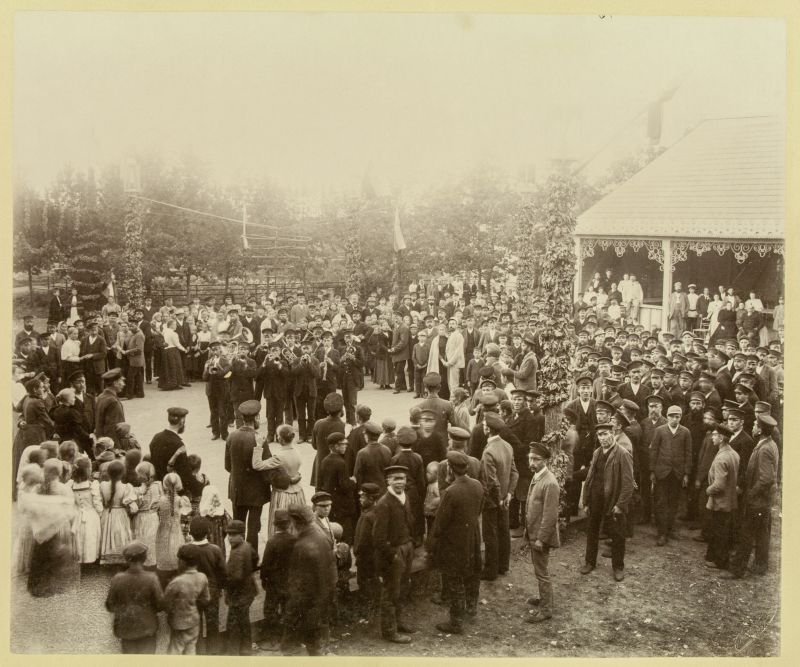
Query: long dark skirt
{"points": [[171, 376], [53, 567]]}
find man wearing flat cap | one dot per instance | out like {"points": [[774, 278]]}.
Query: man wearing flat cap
{"points": [[741, 442], [95, 351], [165, 445], [332, 423], [670, 469], [500, 475], [722, 498], [372, 459], [392, 536], [541, 527], [457, 442], [364, 551], [527, 429], [333, 479], [607, 495], [454, 543], [248, 489], [443, 409], [758, 496], [416, 482], [108, 408], [312, 584]]}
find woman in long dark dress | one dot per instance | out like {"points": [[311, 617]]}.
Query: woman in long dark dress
{"points": [[171, 376], [726, 323], [384, 371], [35, 425], [54, 567]]}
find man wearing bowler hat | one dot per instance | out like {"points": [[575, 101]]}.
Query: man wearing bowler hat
{"points": [[722, 498], [248, 489]]}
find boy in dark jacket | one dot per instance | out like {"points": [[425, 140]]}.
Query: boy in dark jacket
{"points": [[135, 598], [211, 562], [240, 590]]}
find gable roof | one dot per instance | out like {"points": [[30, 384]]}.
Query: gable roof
{"points": [[725, 179]]}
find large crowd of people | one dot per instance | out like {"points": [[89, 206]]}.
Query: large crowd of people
{"points": [[657, 423]]}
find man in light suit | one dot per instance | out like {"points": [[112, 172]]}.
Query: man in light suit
{"points": [[525, 377], [678, 307], [454, 354], [541, 528]]}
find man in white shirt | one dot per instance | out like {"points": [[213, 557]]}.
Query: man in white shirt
{"points": [[636, 299]]}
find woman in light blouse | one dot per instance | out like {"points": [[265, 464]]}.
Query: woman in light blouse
{"points": [[71, 359], [171, 376]]}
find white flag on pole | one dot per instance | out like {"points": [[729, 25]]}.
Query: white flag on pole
{"points": [[399, 241]]}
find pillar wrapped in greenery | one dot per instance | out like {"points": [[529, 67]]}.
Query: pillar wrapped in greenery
{"points": [[132, 256], [353, 261], [557, 279]]}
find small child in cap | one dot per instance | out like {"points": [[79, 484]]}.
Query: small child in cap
{"points": [[388, 437], [135, 598], [240, 590], [186, 594], [127, 440]]}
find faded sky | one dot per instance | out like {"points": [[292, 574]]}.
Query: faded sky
{"points": [[311, 99]]}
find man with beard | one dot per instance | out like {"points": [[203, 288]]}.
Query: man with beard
{"points": [[454, 545], [248, 489], [164, 445], [693, 420], [523, 425]]}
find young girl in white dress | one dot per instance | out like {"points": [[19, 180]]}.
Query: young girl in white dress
{"points": [[89, 503], [145, 521]]}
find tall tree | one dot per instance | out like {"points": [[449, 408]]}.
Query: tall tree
{"points": [[354, 261], [33, 251]]}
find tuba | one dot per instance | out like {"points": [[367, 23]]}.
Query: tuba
{"points": [[247, 336], [288, 355]]}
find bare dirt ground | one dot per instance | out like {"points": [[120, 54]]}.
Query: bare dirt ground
{"points": [[668, 605]]}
